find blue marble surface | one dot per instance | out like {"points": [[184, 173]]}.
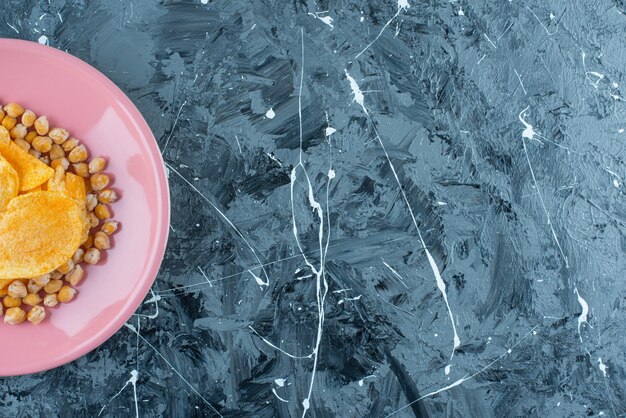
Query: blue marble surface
{"points": [[383, 208]]}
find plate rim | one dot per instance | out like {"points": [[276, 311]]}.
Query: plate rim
{"points": [[155, 257]]}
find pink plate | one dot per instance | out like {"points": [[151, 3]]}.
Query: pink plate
{"points": [[77, 97]]}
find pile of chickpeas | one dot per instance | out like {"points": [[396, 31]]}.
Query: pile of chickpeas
{"points": [[56, 148]]}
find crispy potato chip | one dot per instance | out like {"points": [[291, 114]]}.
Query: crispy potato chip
{"points": [[39, 232], [75, 186], [30, 170], [9, 183], [36, 189]]}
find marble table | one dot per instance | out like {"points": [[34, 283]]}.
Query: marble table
{"points": [[379, 208]]}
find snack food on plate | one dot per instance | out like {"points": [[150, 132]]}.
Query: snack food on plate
{"points": [[54, 214]]}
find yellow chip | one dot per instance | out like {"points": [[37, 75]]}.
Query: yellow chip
{"points": [[32, 190], [75, 186], [9, 183], [39, 232], [30, 170]]}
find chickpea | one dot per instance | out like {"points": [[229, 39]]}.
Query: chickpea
{"points": [[50, 300], [41, 125], [17, 289], [99, 181], [101, 241], [66, 294], [97, 165], [78, 154], [14, 315], [58, 135], [14, 110], [28, 118], [92, 256], [36, 314]]}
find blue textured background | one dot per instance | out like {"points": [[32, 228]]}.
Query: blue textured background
{"points": [[327, 161]]}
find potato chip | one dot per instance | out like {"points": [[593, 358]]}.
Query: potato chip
{"points": [[9, 183], [30, 170], [32, 190], [39, 232], [75, 186]]}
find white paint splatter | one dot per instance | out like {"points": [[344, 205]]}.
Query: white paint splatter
{"points": [[446, 370], [134, 374], [396, 274], [43, 39], [321, 284], [280, 382], [463, 379], [617, 180], [273, 158], [268, 342], [359, 98], [520, 81], [167, 141], [278, 397], [157, 352], [461, 12], [402, 5], [362, 381], [204, 1], [331, 174], [582, 318], [441, 285], [326, 19], [330, 130], [529, 133], [598, 76], [205, 276], [349, 299], [270, 114], [258, 280], [541, 23], [228, 221], [603, 367], [621, 131], [490, 41], [356, 91]]}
